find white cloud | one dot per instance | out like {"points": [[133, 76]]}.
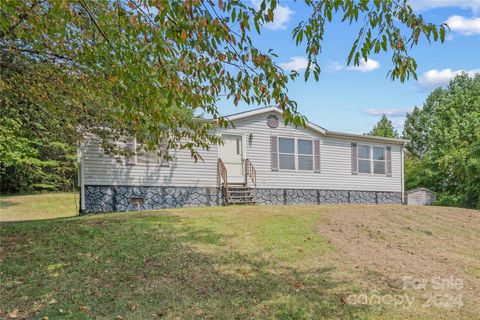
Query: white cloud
{"points": [[390, 112], [424, 5], [295, 63], [281, 16], [464, 25], [437, 78], [364, 66]]}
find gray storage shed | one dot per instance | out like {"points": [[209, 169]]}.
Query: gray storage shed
{"points": [[420, 196]]}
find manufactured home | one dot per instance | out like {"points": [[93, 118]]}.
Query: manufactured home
{"points": [[261, 161]]}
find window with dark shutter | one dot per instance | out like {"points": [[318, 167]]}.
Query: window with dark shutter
{"points": [[316, 146], [274, 152], [354, 158], [389, 161]]}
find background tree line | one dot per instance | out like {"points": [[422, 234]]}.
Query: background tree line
{"points": [[143, 68], [444, 149]]}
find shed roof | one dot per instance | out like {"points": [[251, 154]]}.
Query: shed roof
{"points": [[419, 189]]}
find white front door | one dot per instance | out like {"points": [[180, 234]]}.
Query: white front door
{"points": [[231, 153]]}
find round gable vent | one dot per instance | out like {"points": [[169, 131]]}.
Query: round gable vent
{"points": [[272, 121]]}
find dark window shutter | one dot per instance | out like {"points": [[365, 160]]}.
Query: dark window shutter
{"points": [[131, 149], [389, 161], [316, 155], [274, 152], [354, 158]]}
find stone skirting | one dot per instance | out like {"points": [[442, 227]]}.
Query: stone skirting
{"points": [[128, 198], [309, 196]]}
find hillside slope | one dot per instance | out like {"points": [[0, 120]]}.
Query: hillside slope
{"points": [[284, 262]]}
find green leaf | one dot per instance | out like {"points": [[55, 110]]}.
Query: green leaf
{"points": [[442, 34]]}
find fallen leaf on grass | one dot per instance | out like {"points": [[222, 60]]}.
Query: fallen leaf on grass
{"points": [[96, 293], [13, 314], [84, 309]]}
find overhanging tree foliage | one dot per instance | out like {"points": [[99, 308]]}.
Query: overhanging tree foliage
{"points": [[147, 67], [444, 152], [153, 56], [41, 107]]}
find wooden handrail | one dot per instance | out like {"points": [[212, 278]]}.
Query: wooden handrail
{"points": [[222, 174], [251, 172]]}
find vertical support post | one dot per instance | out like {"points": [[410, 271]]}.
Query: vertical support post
{"points": [[403, 173]]}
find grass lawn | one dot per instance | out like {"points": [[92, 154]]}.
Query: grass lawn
{"points": [[41, 206], [273, 262]]}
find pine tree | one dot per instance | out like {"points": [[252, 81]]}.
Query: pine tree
{"points": [[384, 128]]}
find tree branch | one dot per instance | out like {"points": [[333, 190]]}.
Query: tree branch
{"points": [[21, 17], [95, 23]]}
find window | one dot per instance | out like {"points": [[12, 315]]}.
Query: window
{"points": [[364, 163], [286, 153], [378, 160], [144, 157], [305, 154], [150, 157], [130, 149]]}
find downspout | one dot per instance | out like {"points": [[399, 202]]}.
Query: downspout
{"points": [[403, 172], [81, 178]]}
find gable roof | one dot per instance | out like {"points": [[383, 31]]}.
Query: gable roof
{"points": [[314, 127], [419, 189], [254, 112]]}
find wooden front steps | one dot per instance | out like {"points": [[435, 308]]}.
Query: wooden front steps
{"points": [[239, 193]]}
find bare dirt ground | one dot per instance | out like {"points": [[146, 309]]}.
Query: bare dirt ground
{"points": [[433, 250]]}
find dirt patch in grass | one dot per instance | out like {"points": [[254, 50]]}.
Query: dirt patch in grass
{"points": [[261, 262], [390, 244]]}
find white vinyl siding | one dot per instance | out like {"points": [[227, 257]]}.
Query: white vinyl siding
{"points": [[103, 169], [335, 159]]}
